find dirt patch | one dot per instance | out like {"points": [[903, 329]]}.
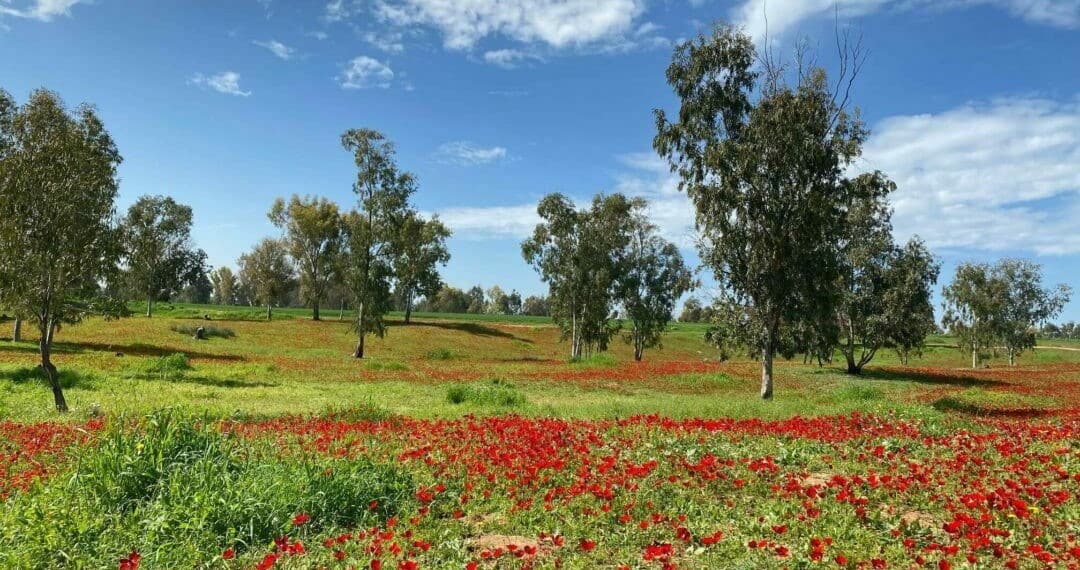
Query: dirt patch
{"points": [[503, 541]]}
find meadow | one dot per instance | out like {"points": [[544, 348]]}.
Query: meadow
{"points": [[470, 441]]}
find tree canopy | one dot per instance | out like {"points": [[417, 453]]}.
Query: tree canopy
{"points": [[313, 237], [159, 255]]}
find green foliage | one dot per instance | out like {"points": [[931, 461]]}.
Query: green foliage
{"points": [[267, 272], [312, 227], [209, 331], [179, 490], [419, 248], [169, 367], [442, 354], [158, 253], [493, 393], [225, 286], [385, 366]]}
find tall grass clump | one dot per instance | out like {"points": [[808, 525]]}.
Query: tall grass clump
{"points": [[209, 331], [443, 354], [179, 491], [494, 393], [168, 367]]}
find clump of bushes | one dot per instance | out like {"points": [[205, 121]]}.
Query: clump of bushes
{"points": [[168, 367], [179, 489], [443, 354], [208, 330], [494, 393]]}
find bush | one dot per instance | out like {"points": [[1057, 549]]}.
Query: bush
{"points": [[494, 393], [180, 491], [208, 330], [443, 354], [167, 367]]}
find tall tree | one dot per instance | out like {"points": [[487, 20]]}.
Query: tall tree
{"points": [[225, 287], [578, 253], [535, 306], [267, 272], [420, 248], [199, 289], [447, 300], [371, 230], [477, 301], [763, 163], [973, 308], [160, 258], [653, 280], [909, 298], [1027, 304], [312, 227], [58, 186]]}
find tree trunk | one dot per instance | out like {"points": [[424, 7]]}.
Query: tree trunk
{"points": [[852, 367], [315, 311], [639, 347], [149, 306], [269, 311], [974, 357], [16, 334], [341, 312], [408, 307], [45, 348], [766, 372], [359, 352], [1012, 357]]}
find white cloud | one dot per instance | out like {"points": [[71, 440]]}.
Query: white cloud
{"points": [[364, 72], [508, 58], [556, 23], [335, 11], [277, 48], [43, 10], [780, 16], [466, 153], [387, 41], [491, 222], [227, 82], [1002, 175]]}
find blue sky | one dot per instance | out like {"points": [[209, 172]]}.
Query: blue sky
{"points": [[974, 107]]}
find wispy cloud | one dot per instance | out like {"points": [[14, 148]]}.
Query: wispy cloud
{"points": [[509, 92], [387, 41], [466, 153], [227, 82], [277, 48], [509, 58], [992, 176], [43, 10], [364, 72]]}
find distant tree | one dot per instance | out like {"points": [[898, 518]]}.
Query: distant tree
{"points": [[199, 289], [267, 272], [1026, 304], [535, 306], [578, 254], [652, 280], [513, 303], [58, 186], [763, 163], [496, 301], [158, 253], [694, 312], [224, 285], [419, 250], [447, 300], [909, 299], [371, 230], [477, 302], [312, 228], [973, 306]]}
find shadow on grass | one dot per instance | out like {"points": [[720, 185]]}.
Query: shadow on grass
{"points": [[135, 349], [471, 328], [222, 382], [951, 404], [942, 378]]}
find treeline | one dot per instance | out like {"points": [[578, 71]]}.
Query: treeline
{"points": [[476, 300], [1069, 330]]}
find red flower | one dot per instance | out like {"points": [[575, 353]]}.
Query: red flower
{"points": [[588, 545], [229, 554], [300, 519], [131, 562]]}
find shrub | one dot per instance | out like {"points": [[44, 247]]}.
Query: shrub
{"points": [[443, 354], [494, 393], [208, 330], [167, 367]]}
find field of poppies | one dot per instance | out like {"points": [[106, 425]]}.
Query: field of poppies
{"points": [[474, 445]]}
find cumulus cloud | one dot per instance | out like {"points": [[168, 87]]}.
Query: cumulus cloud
{"points": [[43, 10], [364, 72], [277, 48], [992, 176], [780, 16], [555, 23], [466, 153], [227, 82]]}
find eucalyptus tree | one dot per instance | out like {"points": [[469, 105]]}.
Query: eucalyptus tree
{"points": [[420, 248], [762, 160], [974, 305], [313, 236], [224, 285], [267, 272], [477, 301], [579, 254], [909, 298], [653, 279], [158, 252], [371, 231], [58, 242], [1027, 304]]}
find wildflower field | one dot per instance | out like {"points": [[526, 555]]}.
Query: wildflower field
{"points": [[475, 444]]}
